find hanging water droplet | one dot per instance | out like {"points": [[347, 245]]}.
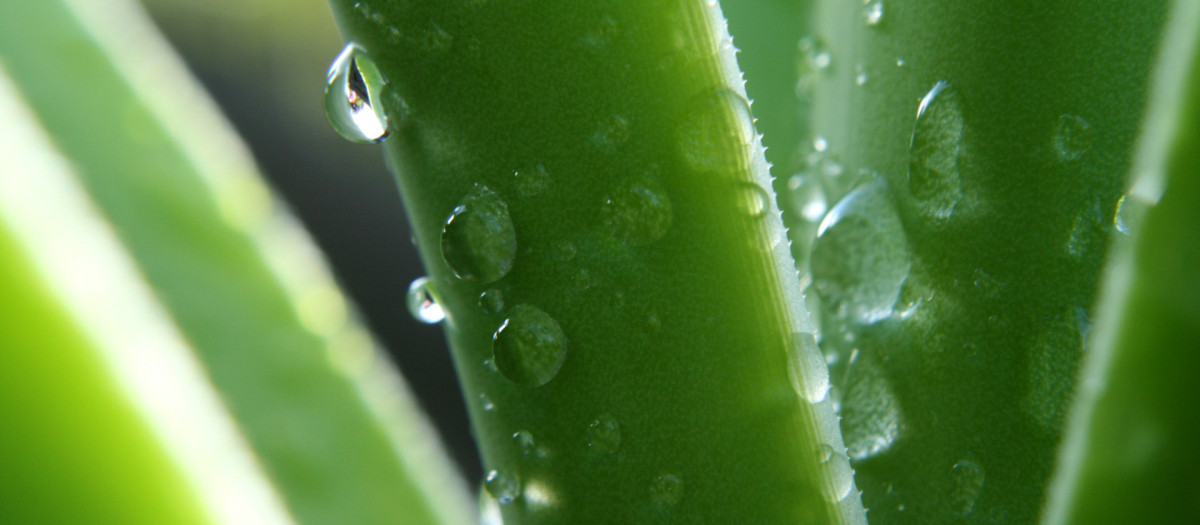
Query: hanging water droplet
{"points": [[840, 476], [352, 102], [529, 347], [603, 435], [870, 412], [531, 181], [753, 200], [861, 258], [1129, 211], [873, 12], [933, 169], [422, 303], [1072, 137], [968, 483], [524, 441], [491, 300], [715, 134], [478, 240], [637, 212], [666, 490], [807, 369], [502, 485]]}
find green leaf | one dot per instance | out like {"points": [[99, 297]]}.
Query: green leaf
{"points": [[978, 151], [592, 169], [324, 418], [1130, 453]]}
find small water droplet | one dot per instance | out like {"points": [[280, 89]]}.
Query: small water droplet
{"points": [[1087, 233], [933, 169], [565, 252], [1072, 137], [807, 369], [478, 240], [840, 475], [968, 483], [524, 441], [820, 144], [531, 181], [603, 435], [873, 12], [899, 62], [491, 300], [1052, 364], [715, 134], [582, 280], [422, 303], [490, 366], [502, 485], [753, 200], [637, 212], [352, 102], [666, 490], [486, 403], [860, 75], [611, 132], [808, 197], [529, 347], [1129, 212], [861, 258]]}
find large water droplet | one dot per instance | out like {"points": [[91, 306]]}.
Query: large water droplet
{"points": [[715, 135], [478, 240], [933, 169], [666, 490], [603, 435], [861, 257], [637, 212], [529, 347], [968, 480], [870, 412], [807, 369], [352, 101], [502, 485], [422, 303], [1072, 137]]}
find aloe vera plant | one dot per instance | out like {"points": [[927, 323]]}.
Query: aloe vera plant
{"points": [[639, 338]]}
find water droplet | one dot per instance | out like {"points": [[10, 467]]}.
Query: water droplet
{"points": [[933, 169], [968, 483], [666, 490], [899, 62], [814, 54], [503, 486], [490, 366], [524, 441], [715, 136], [478, 240], [1087, 233], [1072, 137], [612, 132], [489, 509], [582, 280], [870, 412], [603, 435], [1129, 211], [808, 197], [486, 403], [352, 102], [840, 476], [873, 12], [637, 212], [860, 75], [421, 302], [491, 300], [529, 347], [565, 252], [807, 369], [820, 144], [753, 200], [531, 181], [861, 258], [1052, 364]]}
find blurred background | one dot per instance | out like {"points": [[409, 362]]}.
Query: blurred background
{"points": [[264, 62]]}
